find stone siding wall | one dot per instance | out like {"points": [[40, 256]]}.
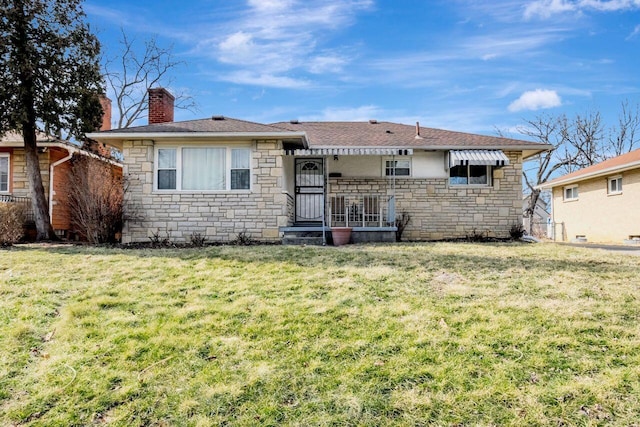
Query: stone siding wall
{"points": [[440, 211], [218, 216], [19, 183]]}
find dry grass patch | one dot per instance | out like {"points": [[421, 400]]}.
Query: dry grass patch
{"points": [[408, 334]]}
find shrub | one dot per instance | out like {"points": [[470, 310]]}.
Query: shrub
{"points": [[517, 231], [12, 217], [401, 224], [96, 198]]}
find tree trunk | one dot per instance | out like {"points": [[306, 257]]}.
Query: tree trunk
{"points": [[531, 209], [39, 203]]}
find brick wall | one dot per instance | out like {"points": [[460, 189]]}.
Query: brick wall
{"points": [[160, 106], [219, 216], [439, 211]]}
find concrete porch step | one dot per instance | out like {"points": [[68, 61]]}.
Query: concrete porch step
{"points": [[302, 240]]}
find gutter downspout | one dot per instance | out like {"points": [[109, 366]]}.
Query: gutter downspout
{"points": [[51, 170]]}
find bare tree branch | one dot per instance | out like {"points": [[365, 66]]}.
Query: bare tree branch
{"points": [[131, 73]]}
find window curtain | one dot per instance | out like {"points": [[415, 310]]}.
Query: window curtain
{"points": [[203, 168]]}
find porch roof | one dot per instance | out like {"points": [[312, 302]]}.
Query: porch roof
{"points": [[477, 157]]}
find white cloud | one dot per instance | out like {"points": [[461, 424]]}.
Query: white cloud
{"points": [[326, 64], [346, 114], [634, 33], [273, 38], [263, 79], [536, 100], [546, 8]]}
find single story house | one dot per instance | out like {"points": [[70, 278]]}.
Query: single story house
{"points": [[54, 155], [220, 177], [600, 203]]}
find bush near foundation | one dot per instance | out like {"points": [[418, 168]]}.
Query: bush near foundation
{"points": [[11, 223], [96, 197]]}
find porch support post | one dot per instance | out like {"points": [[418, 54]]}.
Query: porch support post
{"points": [[325, 166]]}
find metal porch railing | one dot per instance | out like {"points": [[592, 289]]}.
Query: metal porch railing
{"points": [[25, 202], [361, 210]]}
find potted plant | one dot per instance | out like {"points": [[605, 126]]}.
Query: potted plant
{"points": [[341, 235]]}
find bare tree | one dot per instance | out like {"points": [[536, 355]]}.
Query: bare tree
{"points": [[577, 143], [130, 74], [585, 141], [547, 130], [623, 138]]}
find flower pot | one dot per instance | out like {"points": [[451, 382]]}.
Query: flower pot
{"points": [[341, 235]]}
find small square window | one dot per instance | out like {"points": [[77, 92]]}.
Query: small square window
{"points": [[571, 193], [397, 167], [615, 185]]}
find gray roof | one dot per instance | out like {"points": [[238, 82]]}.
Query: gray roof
{"points": [[387, 134], [210, 125]]}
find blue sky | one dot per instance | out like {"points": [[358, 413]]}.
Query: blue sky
{"points": [[458, 64]]}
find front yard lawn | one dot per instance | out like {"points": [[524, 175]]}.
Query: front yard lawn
{"points": [[407, 334]]}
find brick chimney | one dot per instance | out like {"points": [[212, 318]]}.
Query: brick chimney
{"points": [[106, 113], [160, 106]]}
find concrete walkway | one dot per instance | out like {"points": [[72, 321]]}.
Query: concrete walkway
{"points": [[627, 249]]}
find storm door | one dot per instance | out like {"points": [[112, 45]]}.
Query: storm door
{"points": [[309, 190]]}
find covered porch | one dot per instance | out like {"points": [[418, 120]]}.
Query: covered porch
{"points": [[323, 200]]}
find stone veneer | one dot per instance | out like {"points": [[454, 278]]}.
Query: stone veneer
{"points": [[218, 216], [439, 211], [20, 181]]}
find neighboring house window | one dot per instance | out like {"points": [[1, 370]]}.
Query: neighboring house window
{"points": [[571, 193], [203, 169], [470, 175], [615, 185], [4, 173], [397, 167]]}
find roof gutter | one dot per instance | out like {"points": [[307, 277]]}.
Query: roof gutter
{"points": [[615, 169], [122, 136]]}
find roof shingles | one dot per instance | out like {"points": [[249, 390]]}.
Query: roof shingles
{"points": [[387, 134]]}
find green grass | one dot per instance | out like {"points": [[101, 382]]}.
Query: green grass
{"points": [[408, 334]]}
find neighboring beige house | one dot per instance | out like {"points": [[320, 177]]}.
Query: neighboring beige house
{"points": [[600, 203], [220, 177]]}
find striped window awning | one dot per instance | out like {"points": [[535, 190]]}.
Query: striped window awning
{"points": [[351, 152], [477, 157]]}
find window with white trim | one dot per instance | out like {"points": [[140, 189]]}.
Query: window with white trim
{"points": [[470, 175], [240, 169], [209, 168], [401, 167], [570, 193], [4, 172], [615, 185]]}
